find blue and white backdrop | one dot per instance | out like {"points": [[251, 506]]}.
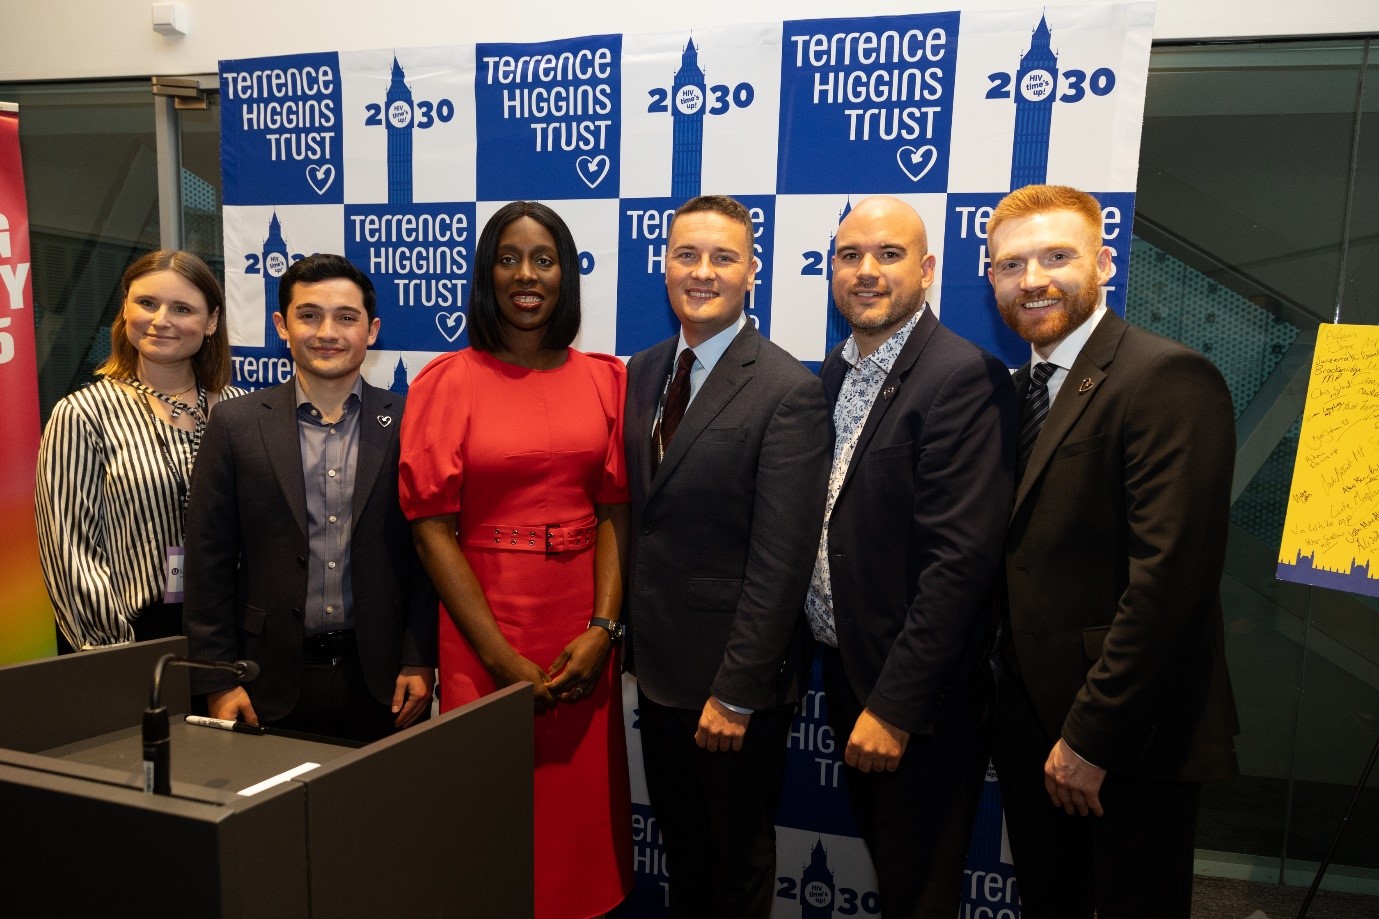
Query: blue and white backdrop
{"points": [[397, 157]]}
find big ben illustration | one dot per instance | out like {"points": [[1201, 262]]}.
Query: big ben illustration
{"points": [[400, 384], [274, 262], [837, 329], [687, 103], [1035, 84], [816, 886], [399, 124]]}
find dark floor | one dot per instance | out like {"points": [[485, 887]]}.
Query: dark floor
{"points": [[1219, 898]]}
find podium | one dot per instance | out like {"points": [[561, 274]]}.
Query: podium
{"points": [[434, 821]]}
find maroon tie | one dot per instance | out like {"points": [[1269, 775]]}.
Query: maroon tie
{"points": [[673, 409]]}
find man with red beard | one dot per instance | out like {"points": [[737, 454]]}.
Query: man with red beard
{"points": [[1115, 702]]}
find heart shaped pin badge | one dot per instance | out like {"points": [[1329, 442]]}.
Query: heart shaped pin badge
{"points": [[451, 325], [593, 169], [321, 177], [385, 420], [916, 161]]}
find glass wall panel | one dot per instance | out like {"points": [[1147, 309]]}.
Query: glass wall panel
{"points": [[201, 188], [91, 173], [1254, 218]]}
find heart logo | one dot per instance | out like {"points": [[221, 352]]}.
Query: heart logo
{"points": [[320, 177], [916, 161], [450, 325], [385, 420], [592, 169]]}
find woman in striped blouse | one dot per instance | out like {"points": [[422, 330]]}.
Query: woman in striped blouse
{"points": [[115, 464]]}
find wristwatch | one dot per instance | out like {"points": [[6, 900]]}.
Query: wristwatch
{"points": [[612, 627]]}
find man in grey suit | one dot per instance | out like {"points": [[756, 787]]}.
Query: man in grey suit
{"points": [[298, 556], [727, 442]]}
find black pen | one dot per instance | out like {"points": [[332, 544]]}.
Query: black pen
{"points": [[224, 724]]}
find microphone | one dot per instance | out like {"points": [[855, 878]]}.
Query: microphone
{"points": [[157, 743]]}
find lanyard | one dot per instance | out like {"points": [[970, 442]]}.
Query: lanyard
{"points": [[198, 414], [660, 410]]}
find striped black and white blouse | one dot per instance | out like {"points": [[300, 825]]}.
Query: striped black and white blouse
{"points": [[107, 508]]}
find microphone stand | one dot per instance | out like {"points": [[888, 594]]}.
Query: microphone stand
{"points": [[157, 740]]}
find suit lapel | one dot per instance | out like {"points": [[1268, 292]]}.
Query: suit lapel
{"points": [[278, 426], [1079, 388], [729, 375], [891, 389], [644, 392], [374, 439]]}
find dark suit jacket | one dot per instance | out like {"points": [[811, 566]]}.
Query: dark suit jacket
{"points": [[1116, 548], [916, 535], [247, 551], [724, 535]]}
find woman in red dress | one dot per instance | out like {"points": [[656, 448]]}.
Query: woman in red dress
{"points": [[512, 475]]}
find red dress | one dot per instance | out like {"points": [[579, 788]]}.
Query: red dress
{"points": [[507, 448]]}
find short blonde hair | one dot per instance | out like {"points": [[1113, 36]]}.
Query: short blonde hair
{"points": [[211, 364]]}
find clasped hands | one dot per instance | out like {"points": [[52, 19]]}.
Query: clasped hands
{"points": [[571, 677]]}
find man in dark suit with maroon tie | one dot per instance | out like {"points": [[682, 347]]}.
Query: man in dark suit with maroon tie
{"points": [[727, 440]]}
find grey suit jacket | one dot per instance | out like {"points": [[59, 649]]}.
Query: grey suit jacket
{"points": [[724, 535], [247, 551], [1116, 547]]}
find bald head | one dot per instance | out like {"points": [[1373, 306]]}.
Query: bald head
{"points": [[882, 213], [881, 269]]}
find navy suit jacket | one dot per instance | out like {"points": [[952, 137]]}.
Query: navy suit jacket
{"points": [[916, 535], [1116, 548], [247, 551], [724, 535]]}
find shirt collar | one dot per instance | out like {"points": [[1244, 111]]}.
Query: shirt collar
{"points": [[710, 351], [355, 397], [884, 356], [1067, 350]]}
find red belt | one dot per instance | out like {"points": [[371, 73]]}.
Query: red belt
{"points": [[556, 537]]}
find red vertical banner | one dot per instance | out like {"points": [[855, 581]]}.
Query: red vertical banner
{"points": [[26, 617]]}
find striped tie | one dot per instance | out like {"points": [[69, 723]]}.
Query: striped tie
{"points": [[1036, 409]]}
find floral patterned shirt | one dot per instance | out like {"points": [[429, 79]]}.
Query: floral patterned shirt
{"points": [[860, 388]]}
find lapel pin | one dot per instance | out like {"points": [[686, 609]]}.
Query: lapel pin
{"points": [[887, 392], [385, 420], [1085, 385]]}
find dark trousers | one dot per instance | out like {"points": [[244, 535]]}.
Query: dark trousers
{"points": [[717, 811], [336, 702], [1136, 861], [916, 821]]}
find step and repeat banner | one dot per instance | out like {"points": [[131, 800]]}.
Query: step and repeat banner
{"points": [[397, 157]]}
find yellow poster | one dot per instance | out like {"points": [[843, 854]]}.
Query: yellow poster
{"points": [[1331, 531]]}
